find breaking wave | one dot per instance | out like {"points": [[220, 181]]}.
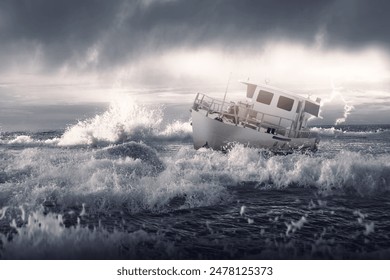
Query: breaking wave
{"points": [[347, 172], [130, 176], [136, 177], [347, 132], [125, 120], [24, 140]]}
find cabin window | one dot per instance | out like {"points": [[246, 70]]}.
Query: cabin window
{"points": [[311, 108], [265, 97], [285, 103]]}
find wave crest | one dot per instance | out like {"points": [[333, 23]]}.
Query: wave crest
{"points": [[122, 120], [347, 172], [125, 120]]}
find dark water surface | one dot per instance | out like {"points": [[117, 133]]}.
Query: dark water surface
{"points": [[128, 184]]}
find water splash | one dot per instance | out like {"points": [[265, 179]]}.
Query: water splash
{"points": [[124, 119], [347, 110], [242, 210], [294, 226], [21, 139], [44, 236], [337, 94], [369, 227], [333, 131], [113, 177], [2, 212], [176, 131]]}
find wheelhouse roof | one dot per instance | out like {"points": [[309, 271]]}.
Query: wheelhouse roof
{"points": [[280, 91]]}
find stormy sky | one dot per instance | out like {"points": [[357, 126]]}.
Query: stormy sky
{"points": [[83, 51]]}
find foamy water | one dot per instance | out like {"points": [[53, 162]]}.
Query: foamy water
{"points": [[127, 184]]}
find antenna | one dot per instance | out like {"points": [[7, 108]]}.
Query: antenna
{"points": [[227, 86]]}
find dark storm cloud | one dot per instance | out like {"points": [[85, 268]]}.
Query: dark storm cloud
{"points": [[61, 28], [357, 23], [62, 32]]}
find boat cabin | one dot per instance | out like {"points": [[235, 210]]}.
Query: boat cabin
{"points": [[281, 108]]}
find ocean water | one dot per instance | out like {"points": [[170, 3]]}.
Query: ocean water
{"points": [[127, 184]]}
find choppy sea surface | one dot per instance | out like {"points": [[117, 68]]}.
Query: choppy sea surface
{"points": [[127, 184]]}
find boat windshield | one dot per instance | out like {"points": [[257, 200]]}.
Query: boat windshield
{"points": [[311, 108], [250, 90]]}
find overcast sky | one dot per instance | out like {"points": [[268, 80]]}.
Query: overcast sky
{"points": [[85, 50]]}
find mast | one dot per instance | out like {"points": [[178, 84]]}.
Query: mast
{"points": [[224, 97]]}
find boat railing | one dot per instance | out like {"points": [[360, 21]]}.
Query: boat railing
{"points": [[243, 114]]}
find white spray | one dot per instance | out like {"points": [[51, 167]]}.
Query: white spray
{"points": [[337, 93]]}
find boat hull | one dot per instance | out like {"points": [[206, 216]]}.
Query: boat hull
{"points": [[218, 135]]}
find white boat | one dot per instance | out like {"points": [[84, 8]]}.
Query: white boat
{"points": [[269, 118]]}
